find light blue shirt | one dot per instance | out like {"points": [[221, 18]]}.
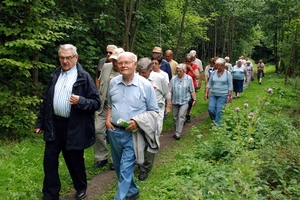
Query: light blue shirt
{"points": [[181, 90], [230, 67], [127, 101], [219, 86], [62, 92], [238, 72]]}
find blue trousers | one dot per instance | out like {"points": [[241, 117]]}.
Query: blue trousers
{"points": [[124, 162], [215, 106]]}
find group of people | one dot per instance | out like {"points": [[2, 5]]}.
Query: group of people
{"points": [[225, 82], [126, 105]]}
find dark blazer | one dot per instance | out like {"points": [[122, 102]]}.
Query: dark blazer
{"points": [[81, 128]]}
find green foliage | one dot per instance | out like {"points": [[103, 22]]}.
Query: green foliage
{"points": [[26, 28], [17, 115], [254, 154]]}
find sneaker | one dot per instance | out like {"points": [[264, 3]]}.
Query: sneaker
{"points": [[101, 163], [112, 166], [143, 176], [188, 119]]}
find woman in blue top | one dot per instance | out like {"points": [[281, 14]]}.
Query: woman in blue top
{"points": [[239, 71], [219, 88]]}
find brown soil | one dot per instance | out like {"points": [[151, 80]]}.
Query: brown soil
{"points": [[102, 182]]}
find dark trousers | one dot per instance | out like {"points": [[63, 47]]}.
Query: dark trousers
{"points": [[148, 163], [73, 158]]}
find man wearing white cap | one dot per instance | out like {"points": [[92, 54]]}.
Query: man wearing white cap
{"points": [[109, 71], [197, 61], [102, 61]]}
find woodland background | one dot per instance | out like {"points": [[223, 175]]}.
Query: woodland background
{"points": [[32, 30]]}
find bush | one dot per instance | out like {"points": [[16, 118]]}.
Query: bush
{"points": [[254, 154]]}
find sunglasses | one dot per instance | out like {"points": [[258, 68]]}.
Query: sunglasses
{"points": [[108, 52]]}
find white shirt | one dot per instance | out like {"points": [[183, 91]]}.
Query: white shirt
{"points": [[160, 86], [165, 75], [63, 91]]}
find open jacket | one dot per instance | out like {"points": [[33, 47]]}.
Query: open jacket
{"points": [[81, 128], [146, 136]]}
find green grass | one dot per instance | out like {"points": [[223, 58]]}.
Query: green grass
{"points": [[21, 169]]}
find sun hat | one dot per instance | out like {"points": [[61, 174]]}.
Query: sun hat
{"points": [[157, 50]]}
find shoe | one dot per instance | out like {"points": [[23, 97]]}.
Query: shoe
{"points": [[259, 83], [177, 137], [188, 119], [112, 166], [80, 194], [143, 176], [133, 197], [101, 163]]}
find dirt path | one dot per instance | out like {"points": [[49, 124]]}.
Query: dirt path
{"points": [[102, 182]]}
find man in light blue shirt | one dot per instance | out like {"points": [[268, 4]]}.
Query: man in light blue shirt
{"points": [[129, 95]]}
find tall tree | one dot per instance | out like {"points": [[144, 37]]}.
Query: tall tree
{"points": [[25, 29]]}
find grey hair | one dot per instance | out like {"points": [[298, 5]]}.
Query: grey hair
{"points": [[220, 61], [144, 63], [127, 53], [181, 66], [67, 47], [111, 46]]}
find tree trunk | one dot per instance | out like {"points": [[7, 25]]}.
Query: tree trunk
{"points": [[290, 69], [215, 39], [276, 60], [181, 26], [127, 22], [136, 27], [35, 75]]}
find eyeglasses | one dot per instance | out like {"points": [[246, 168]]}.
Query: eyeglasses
{"points": [[108, 52], [68, 58], [126, 63]]}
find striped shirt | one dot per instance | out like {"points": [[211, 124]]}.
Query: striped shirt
{"points": [[181, 90], [63, 92]]}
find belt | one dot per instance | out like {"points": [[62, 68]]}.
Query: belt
{"points": [[59, 118], [119, 127]]}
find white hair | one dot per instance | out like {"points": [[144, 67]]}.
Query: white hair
{"points": [[181, 66], [67, 47], [127, 53], [221, 61]]}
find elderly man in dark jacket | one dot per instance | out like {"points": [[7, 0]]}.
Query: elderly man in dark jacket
{"points": [[67, 120]]}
